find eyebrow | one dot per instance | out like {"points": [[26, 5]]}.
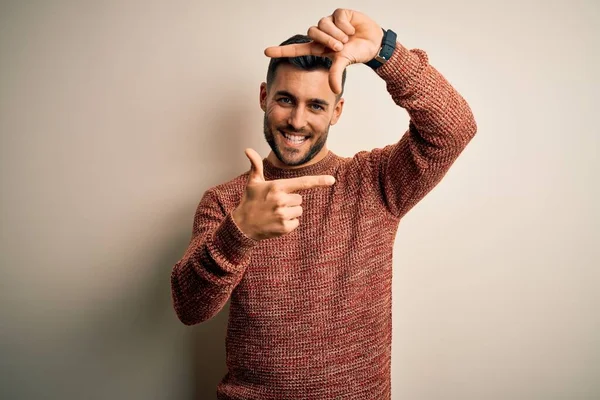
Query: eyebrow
{"points": [[288, 94]]}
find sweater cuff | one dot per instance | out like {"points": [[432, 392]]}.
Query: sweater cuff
{"points": [[231, 242], [403, 67]]}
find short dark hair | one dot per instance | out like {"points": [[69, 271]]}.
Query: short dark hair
{"points": [[307, 63]]}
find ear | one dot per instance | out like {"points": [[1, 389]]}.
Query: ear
{"points": [[337, 111], [263, 96]]}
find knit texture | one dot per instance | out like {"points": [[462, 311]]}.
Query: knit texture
{"points": [[310, 312]]}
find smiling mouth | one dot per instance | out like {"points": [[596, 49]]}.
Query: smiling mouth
{"points": [[294, 140]]}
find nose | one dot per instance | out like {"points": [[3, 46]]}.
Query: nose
{"points": [[297, 118]]}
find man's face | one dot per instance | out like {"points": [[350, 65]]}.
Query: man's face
{"points": [[299, 109]]}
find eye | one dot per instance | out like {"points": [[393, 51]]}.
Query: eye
{"points": [[285, 100], [316, 106]]}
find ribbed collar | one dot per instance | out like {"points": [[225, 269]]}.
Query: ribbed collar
{"points": [[322, 167]]}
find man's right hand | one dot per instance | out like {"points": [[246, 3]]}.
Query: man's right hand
{"points": [[270, 209]]}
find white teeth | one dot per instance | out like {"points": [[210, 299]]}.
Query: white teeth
{"points": [[294, 138]]}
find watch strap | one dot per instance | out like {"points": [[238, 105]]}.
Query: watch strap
{"points": [[388, 44]]}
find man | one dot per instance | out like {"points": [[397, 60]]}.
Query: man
{"points": [[302, 243]]}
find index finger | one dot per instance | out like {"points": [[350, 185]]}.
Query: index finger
{"points": [[305, 182], [296, 50]]}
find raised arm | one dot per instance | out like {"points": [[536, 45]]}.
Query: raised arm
{"points": [[441, 125]]}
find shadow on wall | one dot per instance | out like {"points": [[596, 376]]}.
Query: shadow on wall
{"points": [[223, 153], [209, 355], [199, 350]]}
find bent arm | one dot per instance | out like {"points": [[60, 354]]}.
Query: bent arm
{"points": [[212, 266], [441, 125]]}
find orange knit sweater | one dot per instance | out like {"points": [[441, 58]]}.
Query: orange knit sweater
{"points": [[310, 312]]}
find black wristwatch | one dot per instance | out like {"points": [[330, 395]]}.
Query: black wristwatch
{"points": [[388, 44]]}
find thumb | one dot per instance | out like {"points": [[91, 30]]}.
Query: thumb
{"points": [[336, 72], [256, 171]]}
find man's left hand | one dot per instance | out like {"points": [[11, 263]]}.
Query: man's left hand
{"points": [[346, 37]]}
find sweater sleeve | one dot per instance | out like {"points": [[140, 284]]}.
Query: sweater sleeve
{"points": [[441, 125], [213, 264]]}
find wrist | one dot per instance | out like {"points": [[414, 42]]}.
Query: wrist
{"points": [[388, 44], [230, 242], [237, 216]]}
